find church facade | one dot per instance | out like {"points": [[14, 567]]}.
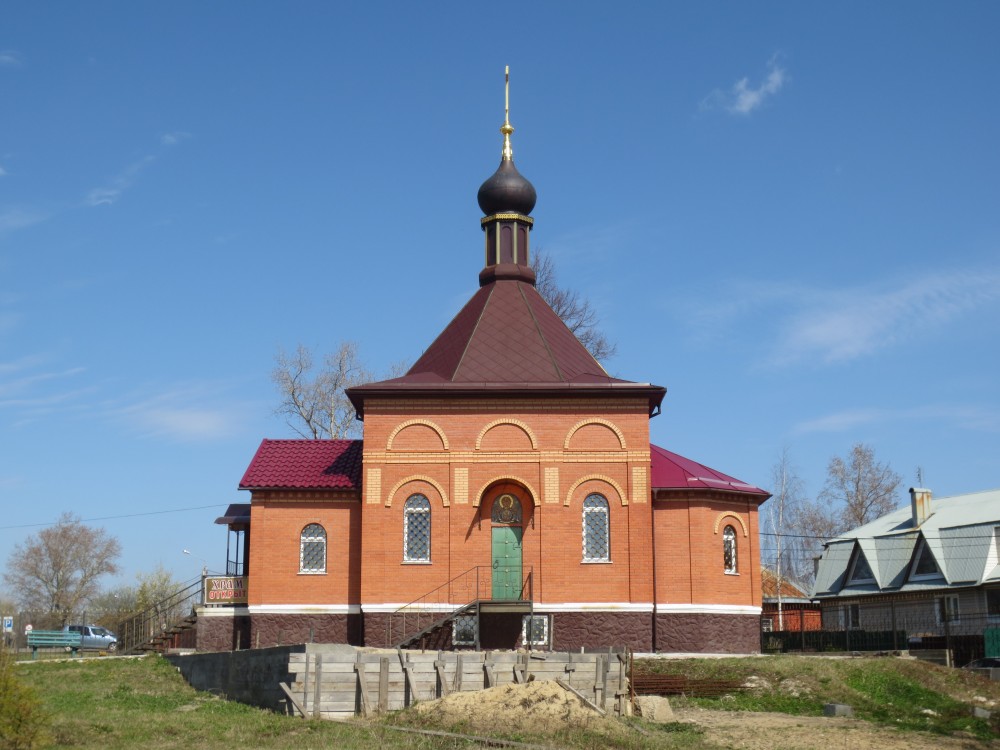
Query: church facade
{"points": [[505, 494]]}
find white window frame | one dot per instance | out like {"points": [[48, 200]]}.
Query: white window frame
{"points": [[525, 624], [409, 510], [852, 615], [729, 537], [922, 548], [991, 616], [312, 539], [604, 510], [859, 555], [459, 624], [947, 605]]}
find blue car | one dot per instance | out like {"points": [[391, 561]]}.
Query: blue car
{"points": [[94, 637]]}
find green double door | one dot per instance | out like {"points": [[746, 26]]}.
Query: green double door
{"points": [[507, 562]]}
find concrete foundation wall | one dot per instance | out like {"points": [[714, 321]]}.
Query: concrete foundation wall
{"points": [[335, 681]]}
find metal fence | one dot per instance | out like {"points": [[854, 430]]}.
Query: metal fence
{"points": [[887, 626]]}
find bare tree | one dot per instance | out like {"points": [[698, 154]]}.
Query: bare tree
{"points": [[56, 571], [860, 488], [780, 512], [314, 403], [576, 313]]}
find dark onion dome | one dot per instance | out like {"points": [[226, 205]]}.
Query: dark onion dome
{"points": [[507, 192]]}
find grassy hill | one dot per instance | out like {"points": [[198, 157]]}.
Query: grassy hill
{"points": [[127, 703]]}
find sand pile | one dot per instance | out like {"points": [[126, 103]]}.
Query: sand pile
{"points": [[539, 707]]}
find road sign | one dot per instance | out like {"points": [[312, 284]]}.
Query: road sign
{"points": [[8, 624], [27, 628]]}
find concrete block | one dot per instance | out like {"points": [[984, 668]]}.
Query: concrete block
{"points": [[837, 709], [981, 713]]}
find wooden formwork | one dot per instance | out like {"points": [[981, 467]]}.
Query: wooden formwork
{"points": [[338, 685]]}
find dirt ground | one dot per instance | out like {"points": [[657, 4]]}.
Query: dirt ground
{"points": [[536, 708], [746, 730], [543, 707]]}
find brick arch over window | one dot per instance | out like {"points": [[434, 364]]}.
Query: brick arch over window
{"points": [[598, 478], [418, 478], [729, 514], [594, 420], [410, 423], [532, 494], [516, 423]]}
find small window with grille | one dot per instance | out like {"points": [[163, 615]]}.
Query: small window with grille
{"points": [[535, 630], [463, 630], [417, 529], [596, 534], [312, 549], [729, 550]]}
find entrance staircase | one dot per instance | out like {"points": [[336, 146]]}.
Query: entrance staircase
{"points": [[168, 623], [468, 594]]}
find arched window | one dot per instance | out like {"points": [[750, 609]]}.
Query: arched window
{"points": [[729, 549], [417, 529], [596, 534], [312, 549]]}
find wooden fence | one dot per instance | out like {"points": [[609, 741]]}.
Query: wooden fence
{"points": [[339, 685]]}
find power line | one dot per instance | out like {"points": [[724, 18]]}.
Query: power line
{"points": [[124, 515]]}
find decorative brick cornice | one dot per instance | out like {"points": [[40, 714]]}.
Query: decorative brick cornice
{"points": [[298, 496]]}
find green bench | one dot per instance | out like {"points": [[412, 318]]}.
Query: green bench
{"points": [[54, 639]]}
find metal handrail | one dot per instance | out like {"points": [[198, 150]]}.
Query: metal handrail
{"points": [[422, 613], [144, 626]]}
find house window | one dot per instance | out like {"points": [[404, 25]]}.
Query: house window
{"points": [[312, 549], [947, 609], [596, 536], [767, 624], [924, 564], [417, 529], [993, 603], [464, 630], [861, 571], [535, 630], [853, 612], [729, 549]]}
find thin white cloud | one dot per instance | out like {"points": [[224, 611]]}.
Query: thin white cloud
{"points": [[173, 138], [10, 59], [3, 172], [743, 98], [843, 325], [19, 217], [108, 194], [187, 413], [980, 418], [798, 324], [10, 388]]}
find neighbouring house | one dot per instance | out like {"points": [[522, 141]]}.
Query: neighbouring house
{"points": [[792, 611], [505, 494], [930, 570]]}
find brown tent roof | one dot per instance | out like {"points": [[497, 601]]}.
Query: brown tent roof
{"points": [[506, 338]]}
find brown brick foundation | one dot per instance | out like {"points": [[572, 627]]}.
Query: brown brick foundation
{"points": [[283, 629], [707, 633]]}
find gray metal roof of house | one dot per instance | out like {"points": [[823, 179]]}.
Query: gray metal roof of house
{"points": [[959, 533]]}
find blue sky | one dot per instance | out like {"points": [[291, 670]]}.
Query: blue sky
{"points": [[785, 213]]}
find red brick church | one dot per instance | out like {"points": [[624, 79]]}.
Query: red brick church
{"points": [[505, 494]]}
